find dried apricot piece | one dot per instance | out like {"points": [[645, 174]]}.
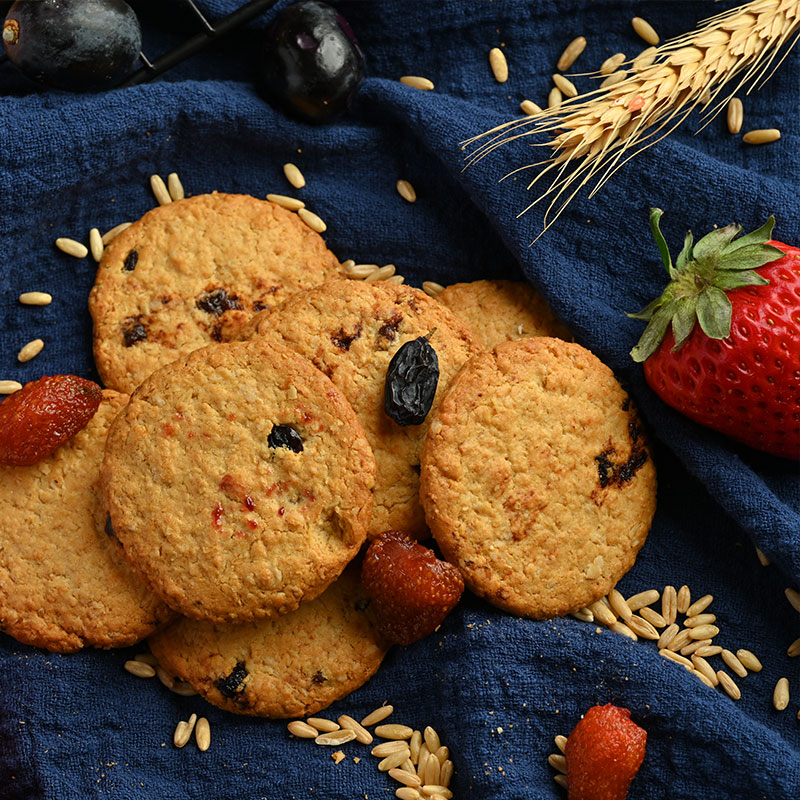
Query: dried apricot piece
{"points": [[43, 415], [411, 589]]}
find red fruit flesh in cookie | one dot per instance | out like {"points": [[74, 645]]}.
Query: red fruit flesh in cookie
{"points": [[747, 385], [412, 590], [603, 754], [43, 415]]}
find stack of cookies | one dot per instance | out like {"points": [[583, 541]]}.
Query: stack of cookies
{"points": [[254, 458]]}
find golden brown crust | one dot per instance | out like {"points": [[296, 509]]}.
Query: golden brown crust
{"points": [[64, 584], [157, 291], [351, 330], [289, 667], [536, 477], [500, 311], [222, 525]]}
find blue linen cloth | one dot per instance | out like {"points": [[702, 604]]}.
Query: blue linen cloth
{"points": [[497, 688]]}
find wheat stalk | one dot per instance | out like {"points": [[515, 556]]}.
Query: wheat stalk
{"points": [[594, 134]]}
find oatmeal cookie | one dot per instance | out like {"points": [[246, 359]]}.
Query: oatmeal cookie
{"points": [[289, 667], [64, 584], [499, 311], [537, 480], [350, 330], [192, 272], [239, 482]]}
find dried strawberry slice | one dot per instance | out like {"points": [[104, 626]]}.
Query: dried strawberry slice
{"points": [[604, 753], [43, 415], [411, 589]]}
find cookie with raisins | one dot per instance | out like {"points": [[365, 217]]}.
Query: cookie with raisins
{"points": [[239, 482], [499, 311], [192, 272], [64, 583], [288, 667], [537, 479], [351, 330]]}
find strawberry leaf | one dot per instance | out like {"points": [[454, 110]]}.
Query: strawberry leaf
{"points": [[654, 332], [655, 219], [683, 321], [749, 257], [685, 256], [712, 242], [714, 313], [733, 280], [647, 312], [702, 273], [760, 236]]}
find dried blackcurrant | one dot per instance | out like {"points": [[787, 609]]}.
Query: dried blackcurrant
{"points": [[78, 45], [129, 265], [411, 382], [311, 66], [285, 436], [217, 302], [232, 685]]}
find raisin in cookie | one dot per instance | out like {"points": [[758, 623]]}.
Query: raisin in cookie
{"points": [[239, 482], [64, 584], [190, 273], [351, 330], [537, 481], [499, 311], [288, 667]]}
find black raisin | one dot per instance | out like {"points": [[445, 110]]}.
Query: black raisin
{"points": [[285, 436], [131, 260], [318, 677], [411, 382], [110, 527], [217, 302], [133, 331], [232, 685]]}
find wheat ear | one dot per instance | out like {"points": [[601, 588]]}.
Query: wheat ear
{"points": [[594, 134]]}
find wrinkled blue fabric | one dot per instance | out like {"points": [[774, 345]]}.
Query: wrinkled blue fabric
{"points": [[496, 687]]}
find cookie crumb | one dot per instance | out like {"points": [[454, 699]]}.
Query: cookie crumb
{"points": [[338, 757]]}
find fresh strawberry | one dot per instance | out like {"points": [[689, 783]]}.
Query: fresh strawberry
{"points": [[411, 589], [43, 415], [737, 371], [604, 753]]}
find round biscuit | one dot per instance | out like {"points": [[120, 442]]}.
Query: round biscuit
{"points": [[351, 330], [192, 272], [64, 584], [224, 521], [293, 666], [500, 311], [537, 480]]}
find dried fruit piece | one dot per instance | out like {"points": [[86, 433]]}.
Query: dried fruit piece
{"points": [[411, 382], [285, 436], [233, 684], [604, 753], [412, 590], [217, 302], [43, 415]]}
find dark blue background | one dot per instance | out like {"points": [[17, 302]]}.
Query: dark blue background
{"points": [[78, 726]]}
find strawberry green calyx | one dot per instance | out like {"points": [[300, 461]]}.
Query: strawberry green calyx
{"points": [[699, 279]]}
